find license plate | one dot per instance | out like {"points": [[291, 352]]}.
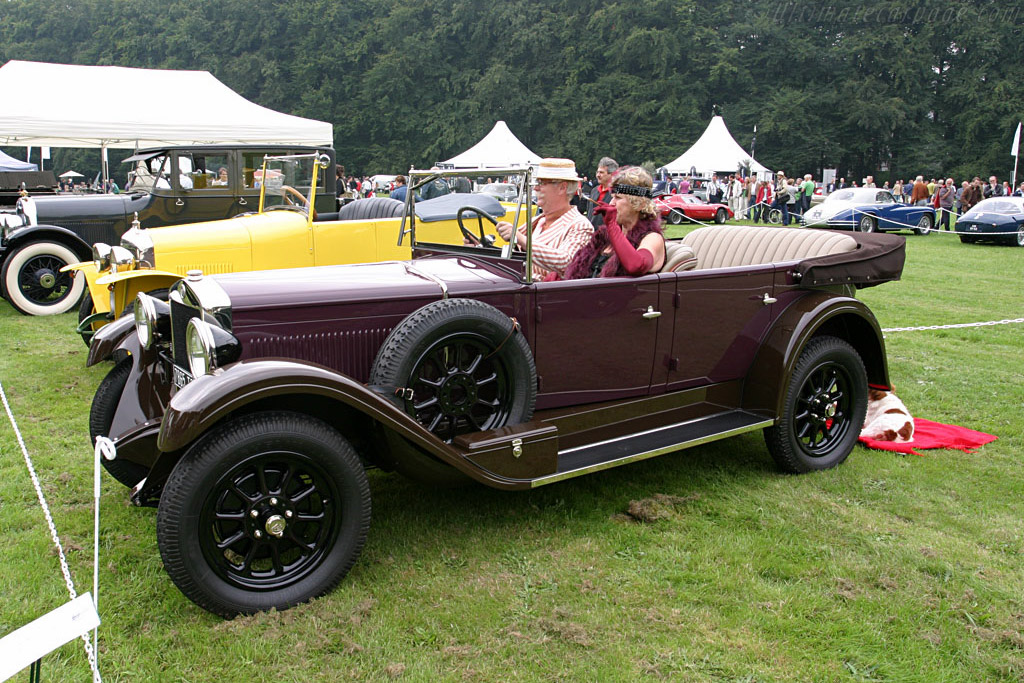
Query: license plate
{"points": [[180, 377], [973, 228]]}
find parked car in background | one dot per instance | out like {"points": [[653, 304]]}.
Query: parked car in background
{"points": [[248, 406], [283, 233], [869, 209], [680, 208], [503, 192], [997, 219], [168, 186]]}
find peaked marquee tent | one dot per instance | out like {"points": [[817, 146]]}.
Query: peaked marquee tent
{"points": [[714, 152], [499, 148], [9, 163], [64, 105]]}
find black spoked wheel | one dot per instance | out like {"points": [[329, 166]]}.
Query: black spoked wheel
{"points": [[267, 511], [458, 366], [101, 416], [867, 223], [34, 282], [824, 408]]}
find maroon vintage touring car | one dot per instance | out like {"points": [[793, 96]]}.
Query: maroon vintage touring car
{"points": [[248, 406]]}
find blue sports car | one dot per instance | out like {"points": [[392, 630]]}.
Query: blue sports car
{"points": [[869, 209], [999, 219]]}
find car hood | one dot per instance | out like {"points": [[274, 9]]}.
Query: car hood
{"points": [[218, 246], [372, 282], [60, 208]]}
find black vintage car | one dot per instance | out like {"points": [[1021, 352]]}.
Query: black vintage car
{"points": [[248, 405], [167, 186]]}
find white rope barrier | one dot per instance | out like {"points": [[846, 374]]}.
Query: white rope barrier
{"points": [[90, 651], [987, 323]]}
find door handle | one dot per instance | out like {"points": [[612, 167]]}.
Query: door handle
{"points": [[180, 202], [768, 299], [241, 200], [650, 313]]}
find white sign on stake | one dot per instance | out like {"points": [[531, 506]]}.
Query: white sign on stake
{"points": [[44, 635]]}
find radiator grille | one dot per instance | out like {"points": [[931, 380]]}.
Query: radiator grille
{"points": [[181, 314]]}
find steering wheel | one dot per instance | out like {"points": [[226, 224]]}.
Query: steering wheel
{"points": [[288, 192], [483, 240]]}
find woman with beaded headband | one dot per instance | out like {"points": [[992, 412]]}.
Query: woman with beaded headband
{"points": [[631, 242]]}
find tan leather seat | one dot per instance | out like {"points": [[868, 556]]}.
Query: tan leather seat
{"points": [[678, 257], [728, 247]]}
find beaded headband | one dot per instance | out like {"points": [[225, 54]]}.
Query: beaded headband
{"points": [[635, 190]]}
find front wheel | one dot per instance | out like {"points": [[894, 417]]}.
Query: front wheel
{"points": [[775, 216], [265, 512], [34, 283], [720, 216], [101, 417], [924, 225], [823, 410]]}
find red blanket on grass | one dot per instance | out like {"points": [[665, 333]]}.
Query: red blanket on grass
{"points": [[928, 434]]}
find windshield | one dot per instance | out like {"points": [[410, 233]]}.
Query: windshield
{"points": [[1003, 206], [288, 182]]}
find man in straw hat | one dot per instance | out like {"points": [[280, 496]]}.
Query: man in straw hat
{"points": [[560, 231]]}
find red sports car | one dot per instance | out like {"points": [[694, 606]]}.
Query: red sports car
{"points": [[677, 208]]}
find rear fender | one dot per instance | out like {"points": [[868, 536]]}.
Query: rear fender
{"points": [[814, 315], [207, 400]]}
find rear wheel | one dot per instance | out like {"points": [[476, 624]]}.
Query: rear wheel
{"points": [[265, 512], [823, 410], [968, 239], [34, 283], [675, 217], [775, 216], [924, 225]]}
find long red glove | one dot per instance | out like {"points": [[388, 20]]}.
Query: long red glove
{"points": [[609, 211], [635, 261]]}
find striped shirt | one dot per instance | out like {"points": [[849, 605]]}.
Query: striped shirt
{"points": [[556, 243]]}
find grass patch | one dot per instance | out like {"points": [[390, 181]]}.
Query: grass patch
{"points": [[705, 565]]}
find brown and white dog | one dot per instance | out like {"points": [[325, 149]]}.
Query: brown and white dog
{"points": [[887, 418]]}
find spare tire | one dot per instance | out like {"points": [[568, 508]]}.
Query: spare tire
{"points": [[367, 209], [458, 366]]}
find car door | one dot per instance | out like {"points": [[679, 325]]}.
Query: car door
{"points": [[597, 339], [720, 317]]}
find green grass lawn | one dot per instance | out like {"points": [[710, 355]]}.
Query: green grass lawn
{"points": [[889, 568]]}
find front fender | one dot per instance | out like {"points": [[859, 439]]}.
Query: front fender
{"points": [[109, 339], [818, 313], [206, 400], [35, 233]]}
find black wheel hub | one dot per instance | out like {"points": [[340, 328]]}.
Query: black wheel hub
{"points": [[269, 521], [41, 281], [823, 410], [459, 385]]}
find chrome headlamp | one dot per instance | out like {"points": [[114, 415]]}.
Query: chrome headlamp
{"points": [[209, 347], [121, 259], [152, 320], [101, 256]]}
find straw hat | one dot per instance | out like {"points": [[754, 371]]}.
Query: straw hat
{"points": [[557, 169]]}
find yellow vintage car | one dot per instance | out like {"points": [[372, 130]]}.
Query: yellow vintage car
{"points": [[284, 233]]}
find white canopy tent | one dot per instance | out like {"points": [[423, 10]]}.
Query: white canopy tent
{"points": [[715, 152], [9, 163], [498, 149], [64, 105]]}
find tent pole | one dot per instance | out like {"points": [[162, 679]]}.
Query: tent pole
{"points": [[106, 170]]}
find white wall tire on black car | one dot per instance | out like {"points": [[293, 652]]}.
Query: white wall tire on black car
{"points": [[34, 284]]}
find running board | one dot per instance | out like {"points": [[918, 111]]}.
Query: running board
{"points": [[603, 455]]}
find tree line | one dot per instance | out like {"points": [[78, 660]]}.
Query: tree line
{"points": [[881, 88]]}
